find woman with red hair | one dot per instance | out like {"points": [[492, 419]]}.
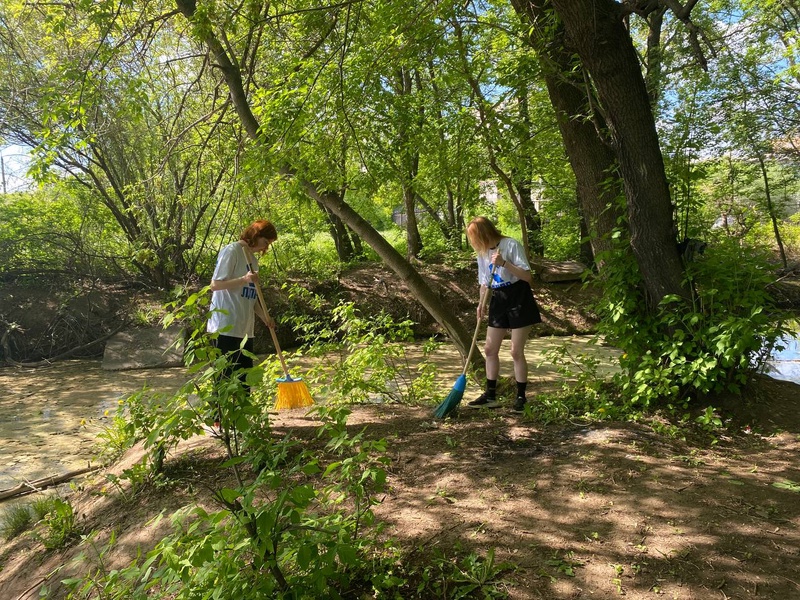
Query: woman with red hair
{"points": [[234, 300]]}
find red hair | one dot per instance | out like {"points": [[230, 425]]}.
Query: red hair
{"points": [[259, 229]]}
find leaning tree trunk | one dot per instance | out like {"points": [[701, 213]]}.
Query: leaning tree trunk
{"points": [[393, 259], [595, 30]]}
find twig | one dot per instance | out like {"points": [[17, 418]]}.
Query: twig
{"points": [[40, 484], [791, 581], [32, 588]]}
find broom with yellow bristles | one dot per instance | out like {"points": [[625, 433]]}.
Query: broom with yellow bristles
{"points": [[292, 393]]}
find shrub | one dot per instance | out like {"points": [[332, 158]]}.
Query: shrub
{"points": [[364, 358], [58, 526], [684, 351]]}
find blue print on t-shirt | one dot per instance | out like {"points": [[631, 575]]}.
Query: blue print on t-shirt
{"points": [[249, 292]]}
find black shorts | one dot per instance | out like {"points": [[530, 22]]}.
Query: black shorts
{"points": [[239, 361], [513, 307]]}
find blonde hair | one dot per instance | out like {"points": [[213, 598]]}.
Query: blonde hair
{"points": [[482, 234]]}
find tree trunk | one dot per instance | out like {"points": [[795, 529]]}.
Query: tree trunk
{"points": [[521, 176], [771, 210], [592, 160], [586, 253], [409, 166], [393, 259], [595, 30], [339, 233], [655, 22]]}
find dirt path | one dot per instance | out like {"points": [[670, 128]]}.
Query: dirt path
{"points": [[604, 511], [600, 511]]}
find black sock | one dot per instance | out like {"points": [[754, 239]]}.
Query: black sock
{"points": [[491, 388], [521, 385]]}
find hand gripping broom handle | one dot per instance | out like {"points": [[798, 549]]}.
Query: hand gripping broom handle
{"points": [[481, 304], [266, 314]]}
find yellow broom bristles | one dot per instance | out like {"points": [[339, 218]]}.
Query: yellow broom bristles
{"points": [[293, 394]]}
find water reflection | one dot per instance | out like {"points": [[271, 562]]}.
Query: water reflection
{"points": [[785, 364]]}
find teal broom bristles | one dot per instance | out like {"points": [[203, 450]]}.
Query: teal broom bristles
{"points": [[453, 399]]}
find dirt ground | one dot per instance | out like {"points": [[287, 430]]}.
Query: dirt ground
{"points": [[603, 510], [581, 511]]}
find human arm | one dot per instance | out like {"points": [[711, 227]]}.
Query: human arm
{"points": [[482, 309], [236, 282], [519, 272]]}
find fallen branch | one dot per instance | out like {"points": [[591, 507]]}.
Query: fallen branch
{"points": [[48, 362], [40, 484], [27, 592]]}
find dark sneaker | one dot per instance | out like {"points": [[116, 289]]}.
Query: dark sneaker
{"points": [[519, 404], [484, 401]]}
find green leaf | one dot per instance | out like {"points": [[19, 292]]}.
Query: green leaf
{"points": [[787, 485], [229, 494], [347, 554]]}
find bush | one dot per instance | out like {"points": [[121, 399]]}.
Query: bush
{"points": [[301, 528], [364, 358], [58, 526], [685, 351]]}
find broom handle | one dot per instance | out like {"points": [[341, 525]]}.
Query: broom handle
{"points": [[266, 314], [481, 303]]}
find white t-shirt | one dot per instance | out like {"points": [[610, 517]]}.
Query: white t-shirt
{"points": [[512, 251], [237, 303]]}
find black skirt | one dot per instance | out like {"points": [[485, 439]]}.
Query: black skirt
{"points": [[513, 307]]}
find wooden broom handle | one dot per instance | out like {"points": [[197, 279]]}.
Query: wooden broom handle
{"points": [[266, 314], [481, 304]]}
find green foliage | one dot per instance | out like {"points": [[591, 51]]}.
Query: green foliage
{"points": [[365, 358], [585, 392], [15, 520], [29, 242], [52, 517], [116, 437], [561, 231], [458, 576], [298, 529], [314, 255], [132, 480], [42, 506], [686, 351], [58, 526]]}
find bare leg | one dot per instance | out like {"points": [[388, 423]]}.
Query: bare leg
{"points": [[494, 337], [518, 339]]}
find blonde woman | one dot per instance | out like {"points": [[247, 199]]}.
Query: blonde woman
{"points": [[503, 267]]}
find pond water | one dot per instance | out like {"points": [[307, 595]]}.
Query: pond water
{"points": [[50, 417], [785, 364]]}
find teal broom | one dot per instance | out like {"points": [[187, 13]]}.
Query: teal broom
{"points": [[453, 399]]}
